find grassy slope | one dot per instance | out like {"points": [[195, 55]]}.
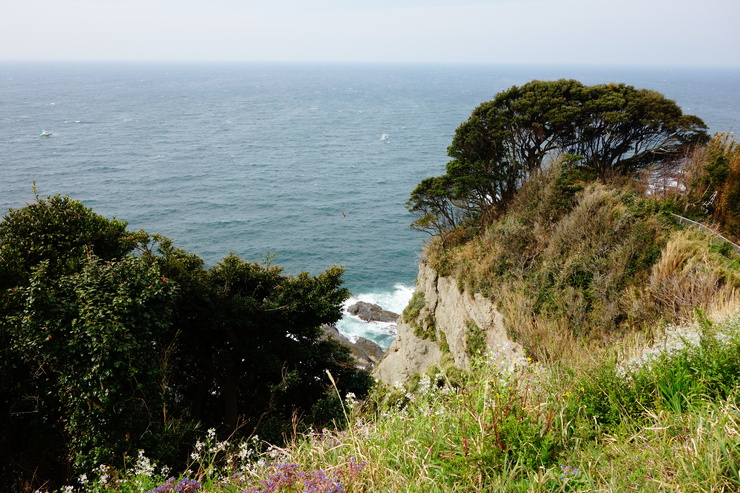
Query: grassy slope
{"points": [[577, 265], [672, 424], [586, 275]]}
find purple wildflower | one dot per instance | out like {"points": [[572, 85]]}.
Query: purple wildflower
{"points": [[185, 485], [568, 472], [289, 478], [319, 482]]}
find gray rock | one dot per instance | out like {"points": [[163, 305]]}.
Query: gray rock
{"points": [[371, 351], [365, 352], [452, 312], [371, 313]]}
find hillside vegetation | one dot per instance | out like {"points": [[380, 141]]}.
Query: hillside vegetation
{"points": [[670, 422], [566, 205], [581, 264]]}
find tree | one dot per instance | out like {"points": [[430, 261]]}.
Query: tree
{"points": [[98, 334], [432, 200], [42, 247], [112, 341], [613, 128], [252, 347], [60, 231], [626, 129], [508, 138]]}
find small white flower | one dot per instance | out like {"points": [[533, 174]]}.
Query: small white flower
{"points": [[351, 400], [244, 451], [102, 471], [143, 466]]}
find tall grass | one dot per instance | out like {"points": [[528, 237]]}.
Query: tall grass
{"points": [[693, 273], [576, 265], [669, 421]]}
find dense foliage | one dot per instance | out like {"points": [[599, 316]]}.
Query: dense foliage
{"points": [[612, 129], [113, 342]]}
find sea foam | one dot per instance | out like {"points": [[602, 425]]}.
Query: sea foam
{"points": [[382, 333]]}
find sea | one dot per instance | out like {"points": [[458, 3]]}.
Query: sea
{"points": [[303, 165]]}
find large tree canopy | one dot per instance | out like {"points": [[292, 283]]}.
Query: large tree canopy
{"points": [[625, 129], [112, 341], [614, 129]]}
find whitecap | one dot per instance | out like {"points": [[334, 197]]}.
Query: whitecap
{"points": [[382, 333]]}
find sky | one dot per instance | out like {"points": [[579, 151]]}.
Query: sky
{"points": [[584, 32]]}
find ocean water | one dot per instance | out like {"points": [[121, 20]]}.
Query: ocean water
{"points": [[311, 163]]}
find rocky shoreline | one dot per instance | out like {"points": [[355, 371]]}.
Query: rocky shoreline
{"points": [[367, 354]]}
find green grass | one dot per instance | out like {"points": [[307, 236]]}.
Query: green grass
{"points": [[671, 423]]}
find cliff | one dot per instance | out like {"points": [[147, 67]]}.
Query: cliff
{"points": [[442, 324]]}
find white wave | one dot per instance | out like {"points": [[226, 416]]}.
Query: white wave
{"points": [[394, 301], [382, 333]]}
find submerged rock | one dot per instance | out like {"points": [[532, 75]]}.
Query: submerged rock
{"points": [[370, 312]]}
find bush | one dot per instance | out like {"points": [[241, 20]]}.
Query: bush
{"points": [[114, 342]]}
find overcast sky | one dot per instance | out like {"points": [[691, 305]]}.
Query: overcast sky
{"points": [[611, 32]]}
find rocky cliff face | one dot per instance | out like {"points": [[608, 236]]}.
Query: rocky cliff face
{"points": [[441, 322]]}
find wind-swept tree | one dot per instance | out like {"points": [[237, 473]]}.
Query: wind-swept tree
{"points": [[626, 129], [506, 139], [432, 201], [614, 129]]}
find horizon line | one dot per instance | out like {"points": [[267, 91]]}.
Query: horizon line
{"points": [[525, 64]]}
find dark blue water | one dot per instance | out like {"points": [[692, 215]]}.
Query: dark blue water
{"points": [[310, 162]]}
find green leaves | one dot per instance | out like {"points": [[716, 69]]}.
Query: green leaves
{"points": [[114, 352], [432, 202], [615, 129], [98, 331], [60, 231]]}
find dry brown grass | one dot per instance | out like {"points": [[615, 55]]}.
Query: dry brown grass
{"points": [[603, 272], [690, 275]]}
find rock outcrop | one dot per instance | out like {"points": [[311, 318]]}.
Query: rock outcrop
{"points": [[365, 352], [442, 321], [370, 312]]}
